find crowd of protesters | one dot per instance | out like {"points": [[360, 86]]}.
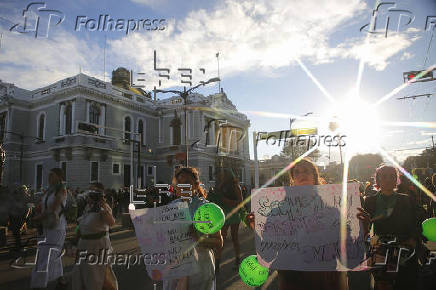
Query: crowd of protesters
{"points": [[390, 202]]}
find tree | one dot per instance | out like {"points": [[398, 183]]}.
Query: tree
{"points": [[363, 166], [427, 158]]}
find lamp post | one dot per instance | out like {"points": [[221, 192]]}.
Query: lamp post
{"points": [[184, 95]]}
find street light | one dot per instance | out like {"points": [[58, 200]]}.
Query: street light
{"points": [[184, 95]]}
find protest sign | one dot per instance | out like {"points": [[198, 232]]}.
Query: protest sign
{"points": [[166, 230], [298, 228]]}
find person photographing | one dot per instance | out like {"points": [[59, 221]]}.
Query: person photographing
{"points": [[93, 237]]}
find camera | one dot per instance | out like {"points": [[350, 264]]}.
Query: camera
{"points": [[96, 197]]}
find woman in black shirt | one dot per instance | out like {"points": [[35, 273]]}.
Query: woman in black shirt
{"points": [[392, 214]]}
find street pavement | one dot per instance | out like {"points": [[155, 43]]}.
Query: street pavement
{"points": [[124, 241]]}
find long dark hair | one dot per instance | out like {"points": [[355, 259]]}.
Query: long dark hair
{"points": [[225, 181], [59, 173], [311, 165], [196, 178]]}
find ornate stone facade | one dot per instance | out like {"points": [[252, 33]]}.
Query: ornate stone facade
{"points": [[46, 128]]}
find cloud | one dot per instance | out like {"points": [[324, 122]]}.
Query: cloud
{"points": [[401, 156], [151, 3], [425, 133], [421, 142], [250, 36], [376, 50], [406, 55], [393, 132], [36, 62]]}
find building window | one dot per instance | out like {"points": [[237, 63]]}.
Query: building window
{"points": [[38, 175], [41, 127], [210, 173], [141, 131], [127, 175], [94, 171], [64, 169], [68, 118], [94, 114], [2, 126], [116, 168], [149, 170], [127, 128]]}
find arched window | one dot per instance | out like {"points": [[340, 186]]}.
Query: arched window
{"points": [[68, 118], [141, 130], [41, 126], [94, 114], [127, 128]]}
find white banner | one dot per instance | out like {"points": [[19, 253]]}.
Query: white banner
{"points": [[164, 231], [298, 227]]}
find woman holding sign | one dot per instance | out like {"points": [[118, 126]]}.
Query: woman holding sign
{"points": [[228, 195], [204, 243], [305, 172]]}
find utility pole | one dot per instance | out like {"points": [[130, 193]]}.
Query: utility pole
{"points": [[185, 98]]}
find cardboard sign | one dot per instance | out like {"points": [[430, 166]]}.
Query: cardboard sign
{"points": [[165, 230], [298, 228]]}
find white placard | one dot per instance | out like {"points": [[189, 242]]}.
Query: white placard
{"points": [[298, 228], [165, 230]]}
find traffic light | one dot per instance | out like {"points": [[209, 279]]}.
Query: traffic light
{"points": [[418, 76], [88, 128]]}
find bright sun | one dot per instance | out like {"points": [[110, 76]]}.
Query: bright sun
{"points": [[359, 121]]}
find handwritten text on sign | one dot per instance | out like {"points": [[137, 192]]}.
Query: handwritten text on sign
{"points": [[159, 230], [298, 228]]}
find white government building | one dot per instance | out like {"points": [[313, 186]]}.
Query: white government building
{"points": [[52, 127]]}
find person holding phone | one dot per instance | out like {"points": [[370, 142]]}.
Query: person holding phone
{"points": [[93, 237]]}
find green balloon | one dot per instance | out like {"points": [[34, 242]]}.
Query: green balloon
{"points": [[209, 212], [251, 272], [429, 229]]}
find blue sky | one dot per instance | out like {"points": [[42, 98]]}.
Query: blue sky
{"points": [[259, 44]]}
